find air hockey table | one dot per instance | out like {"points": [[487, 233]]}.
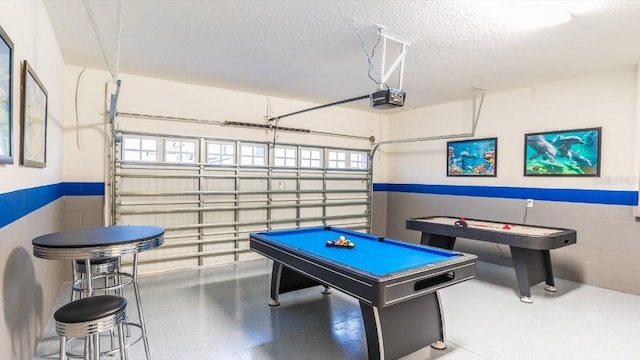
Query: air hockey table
{"points": [[529, 244], [395, 282]]}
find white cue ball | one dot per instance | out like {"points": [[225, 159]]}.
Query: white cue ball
{"points": [[341, 237]]}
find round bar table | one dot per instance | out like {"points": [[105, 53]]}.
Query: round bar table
{"points": [[97, 242]]}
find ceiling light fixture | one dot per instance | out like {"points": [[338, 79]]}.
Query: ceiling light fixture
{"points": [[527, 15]]}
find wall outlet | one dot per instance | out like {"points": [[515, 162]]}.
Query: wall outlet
{"points": [[529, 203]]}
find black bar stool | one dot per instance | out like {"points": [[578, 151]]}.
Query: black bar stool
{"points": [[87, 318], [106, 277], [105, 268]]}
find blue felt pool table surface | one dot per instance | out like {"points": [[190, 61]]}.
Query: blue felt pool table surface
{"points": [[369, 254]]}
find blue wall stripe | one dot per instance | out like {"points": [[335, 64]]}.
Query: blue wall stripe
{"points": [[82, 189], [16, 204], [606, 197]]}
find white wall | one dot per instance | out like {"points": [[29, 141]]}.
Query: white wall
{"points": [[150, 96], [605, 99], [84, 125], [28, 26], [29, 285]]}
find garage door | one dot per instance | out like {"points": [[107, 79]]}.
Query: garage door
{"points": [[210, 193]]}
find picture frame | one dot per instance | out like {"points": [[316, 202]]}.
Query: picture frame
{"points": [[6, 98], [573, 152], [473, 157], [34, 119]]}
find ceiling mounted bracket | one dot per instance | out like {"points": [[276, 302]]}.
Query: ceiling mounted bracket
{"points": [[399, 61], [476, 107], [113, 69]]}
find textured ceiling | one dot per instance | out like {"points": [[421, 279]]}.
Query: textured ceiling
{"points": [[310, 50]]}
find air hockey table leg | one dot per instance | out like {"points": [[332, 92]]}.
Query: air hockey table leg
{"points": [[440, 241], [521, 262], [551, 285]]}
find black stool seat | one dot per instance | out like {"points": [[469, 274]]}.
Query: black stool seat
{"points": [[90, 308], [98, 261], [106, 269]]}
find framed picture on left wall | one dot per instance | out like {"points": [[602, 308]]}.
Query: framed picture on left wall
{"points": [[34, 119], [6, 89]]}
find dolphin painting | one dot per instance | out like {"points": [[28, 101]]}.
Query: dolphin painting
{"points": [[581, 160], [542, 147], [567, 141]]}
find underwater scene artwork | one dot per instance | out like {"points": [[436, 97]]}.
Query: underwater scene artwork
{"points": [[563, 153], [477, 157]]}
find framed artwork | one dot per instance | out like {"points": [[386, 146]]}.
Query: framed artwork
{"points": [[6, 89], [563, 153], [34, 119], [475, 157]]}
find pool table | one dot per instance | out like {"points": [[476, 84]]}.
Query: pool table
{"points": [[395, 282], [529, 244]]}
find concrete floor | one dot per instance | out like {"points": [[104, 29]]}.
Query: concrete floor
{"points": [[222, 313]]}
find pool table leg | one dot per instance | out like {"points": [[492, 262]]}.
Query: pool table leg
{"points": [[532, 266], [284, 279], [400, 329]]}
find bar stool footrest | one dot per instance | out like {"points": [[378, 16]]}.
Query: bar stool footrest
{"points": [[80, 347], [123, 279]]}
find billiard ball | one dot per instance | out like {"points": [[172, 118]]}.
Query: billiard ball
{"points": [[342, 237]]}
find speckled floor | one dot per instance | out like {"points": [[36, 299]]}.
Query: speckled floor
{"points": [[222, 313]]}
